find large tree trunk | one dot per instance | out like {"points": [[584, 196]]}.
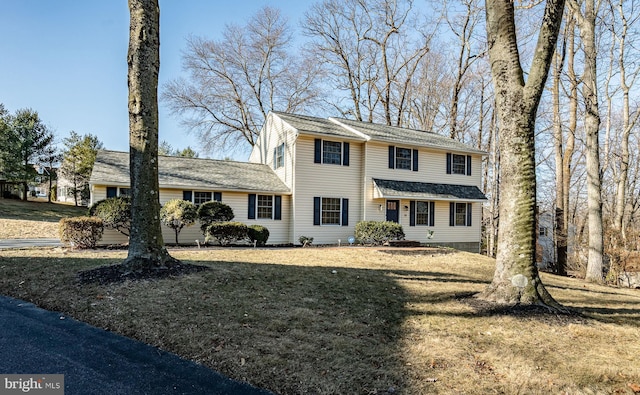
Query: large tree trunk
{"points": [[516, 279], [146, 247], [560, 236]]}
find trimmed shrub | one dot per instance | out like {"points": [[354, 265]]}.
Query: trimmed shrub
{"points": [[81, 232], [378, 232], [226, 232], [178, 213], [213, 211], [115, 213], [258, 234]]}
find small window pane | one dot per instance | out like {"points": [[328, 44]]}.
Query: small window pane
{"points": [[461, 214], [201, 197], [332, 152], [403, 158], [265, 206], [125, 191], [330, 211], [459, 164], [422, 213]]}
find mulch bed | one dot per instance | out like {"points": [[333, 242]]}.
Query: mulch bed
{"points": [[119, 273]]}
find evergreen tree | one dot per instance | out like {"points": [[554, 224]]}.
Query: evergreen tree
{"points": [[78, 158]]}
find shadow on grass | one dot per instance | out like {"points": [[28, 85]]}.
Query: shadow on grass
{"points": [[287, 328], [37, 211]]}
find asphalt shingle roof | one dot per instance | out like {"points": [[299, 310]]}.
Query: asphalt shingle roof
{"points": [[427, 190], [366, 131], [112, 167], [313, 125]]}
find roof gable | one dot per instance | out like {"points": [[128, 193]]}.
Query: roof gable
{"points": [[112, 167]]}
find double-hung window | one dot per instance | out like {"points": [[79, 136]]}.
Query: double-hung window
{"points": [[403, 158], [201, 197], [330, 211], [331, 152], [422, 213], [460, 214], [265, 206], [278, 156], [458, 164]]}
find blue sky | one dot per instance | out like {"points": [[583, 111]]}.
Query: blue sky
{"points": [[66, 59]]}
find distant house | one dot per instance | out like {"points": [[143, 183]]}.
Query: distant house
{"points": [[317, 177]]}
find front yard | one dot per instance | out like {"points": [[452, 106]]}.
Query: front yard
{"points": [[350, 320]]}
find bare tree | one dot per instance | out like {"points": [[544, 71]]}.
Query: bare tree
{"points": [[586, 22], [516, 278], [372, 49], [146, 246], [234, 82]]}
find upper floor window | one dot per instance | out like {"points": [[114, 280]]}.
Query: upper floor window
{"points": [[331, 152], [458, 164], [403, 158], [278, 156]]}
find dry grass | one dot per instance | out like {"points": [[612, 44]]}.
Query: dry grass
{"points": [[350, 320], [34, 218]]}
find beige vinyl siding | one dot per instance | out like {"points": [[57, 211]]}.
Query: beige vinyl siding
{"points": [[442, 232], [325, 180], [262, 152], [431, 167], [238, 201]]}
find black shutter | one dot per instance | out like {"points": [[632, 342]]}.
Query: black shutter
{"points": [[412, 213], [345, 212], [392, 157], [452, 214], [187, 195], [252, 206], [217, 196], [469, 214], [448, 162], [468, 165], [415, 160], [112, 192], [432, 213], [345, 154], [277, 211], [317, 156], [316, 211]]}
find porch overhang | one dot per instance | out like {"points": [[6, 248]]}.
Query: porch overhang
{"points": [[412, 190]]}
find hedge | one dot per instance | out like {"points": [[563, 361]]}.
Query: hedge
{"points": [[81, 232], [378, 232]]}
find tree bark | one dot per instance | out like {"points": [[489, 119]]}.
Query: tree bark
{"points": [[516, 279], [586, 23], [146, 246]]}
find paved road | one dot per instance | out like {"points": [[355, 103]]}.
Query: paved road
{"points": [[25, 243], [94, 361]]}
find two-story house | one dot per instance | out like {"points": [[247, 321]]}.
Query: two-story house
{"points": [[317, 177]]}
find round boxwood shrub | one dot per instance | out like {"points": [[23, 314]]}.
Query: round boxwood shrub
{"points": [[213, 211], [258, 234], [115, 213], [178, 213]]}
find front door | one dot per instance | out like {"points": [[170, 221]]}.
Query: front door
{"points": [[393, 207]]}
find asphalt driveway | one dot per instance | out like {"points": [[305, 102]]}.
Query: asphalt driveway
{"points": [[26, 243], [94, 361]]}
